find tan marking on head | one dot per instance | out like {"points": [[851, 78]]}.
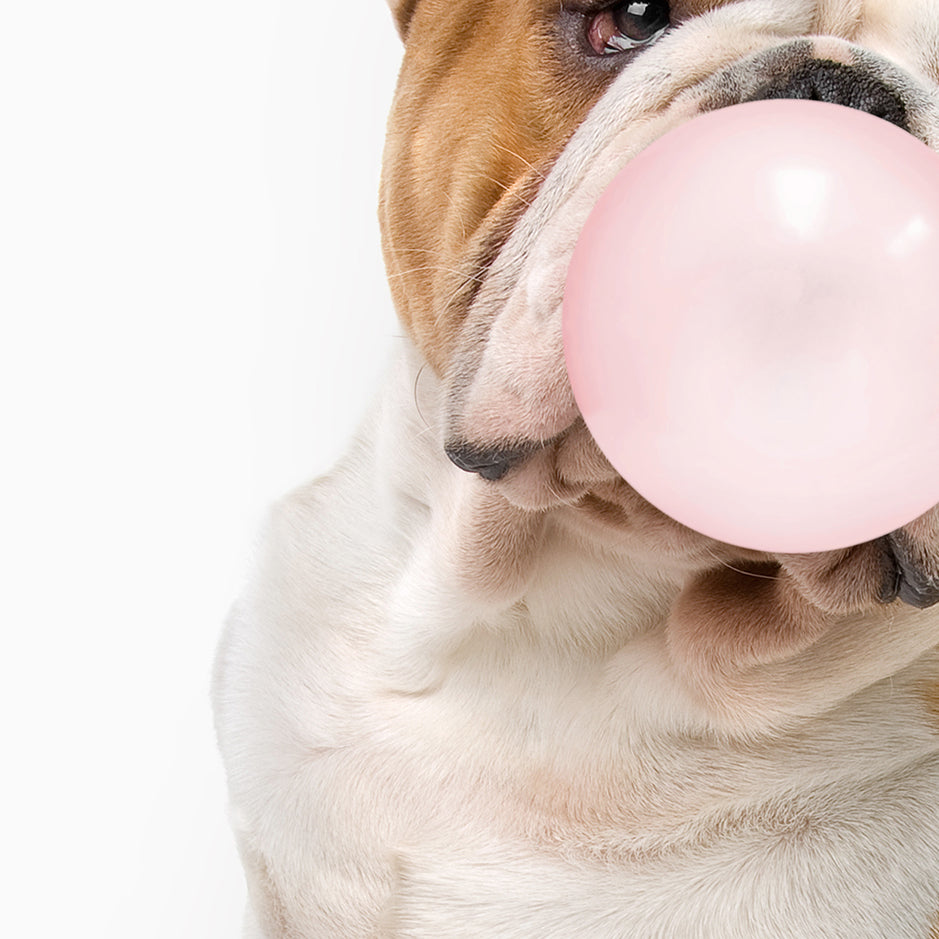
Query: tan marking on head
{"points": [[483, 107]]}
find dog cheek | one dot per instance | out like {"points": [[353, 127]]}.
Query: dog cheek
{"points": [[924, 531]]}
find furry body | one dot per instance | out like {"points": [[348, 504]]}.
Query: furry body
{"points": [[531, 705]]}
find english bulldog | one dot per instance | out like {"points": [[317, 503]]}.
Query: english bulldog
{"points": [[477, 686]]}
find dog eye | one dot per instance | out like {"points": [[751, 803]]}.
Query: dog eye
{"points": [[627, 25]]}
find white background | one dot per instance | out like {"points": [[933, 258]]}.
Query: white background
{"points": [[194, 316]]}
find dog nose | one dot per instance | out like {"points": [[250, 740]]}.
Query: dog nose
{"points": [[836, 83], [489, 463]]}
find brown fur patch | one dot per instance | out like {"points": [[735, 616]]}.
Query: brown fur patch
{"points": [[403, 10], [465, 153], [737, 618]]}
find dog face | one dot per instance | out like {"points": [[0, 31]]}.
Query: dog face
{"points": [[510, 120]]}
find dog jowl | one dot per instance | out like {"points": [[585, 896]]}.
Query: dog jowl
{"points": [[477, 685]]}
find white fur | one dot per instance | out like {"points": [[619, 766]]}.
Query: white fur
{"points": [[411, 757], [533, 787]]}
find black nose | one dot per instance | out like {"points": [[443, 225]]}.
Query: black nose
{"points": [[489, 463], [838, 84]]}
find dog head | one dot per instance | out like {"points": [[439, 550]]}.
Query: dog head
{"points": [[510, 120]]}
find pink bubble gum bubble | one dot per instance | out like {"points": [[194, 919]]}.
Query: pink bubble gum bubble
{"points": [[751, 325]]}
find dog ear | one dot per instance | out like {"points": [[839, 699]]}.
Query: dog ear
{"points": [[402, 10]]}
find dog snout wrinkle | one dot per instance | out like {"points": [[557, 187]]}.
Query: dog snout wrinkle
{"points": [[490, 464], [836, 83]]}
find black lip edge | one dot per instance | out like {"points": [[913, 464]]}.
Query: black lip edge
{"points": [[491, 463], [913, 586]]}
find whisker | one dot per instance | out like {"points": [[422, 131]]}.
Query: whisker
{"points": [[417, 403], [737, 570], [455, 293], [505, 188], [518, 156], [440, 270], [459, 214]]}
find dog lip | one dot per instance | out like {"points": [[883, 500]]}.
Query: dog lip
{"points": [[893, 574], [917, 597], [491, 464], [912, 584]]}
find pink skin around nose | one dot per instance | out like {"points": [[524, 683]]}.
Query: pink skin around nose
{"points": [[751, 325]]}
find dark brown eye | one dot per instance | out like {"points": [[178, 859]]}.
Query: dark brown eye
{"points": [[627, 25]]}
